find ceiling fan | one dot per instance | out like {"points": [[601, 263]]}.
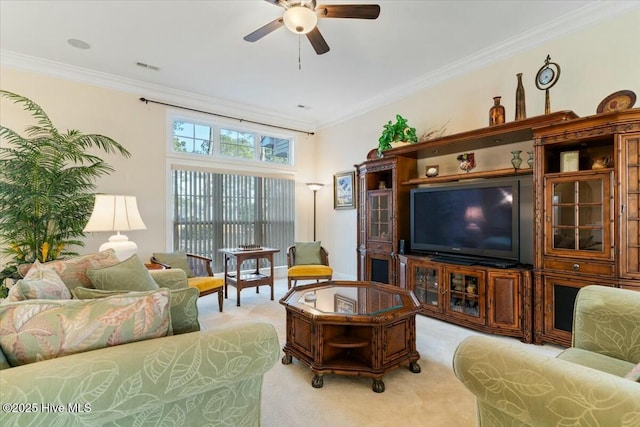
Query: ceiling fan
{"points": [[301, 17]]}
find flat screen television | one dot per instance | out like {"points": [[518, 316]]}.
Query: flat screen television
{"points": [[477, 220]]}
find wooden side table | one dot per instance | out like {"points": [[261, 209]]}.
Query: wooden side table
{"points": [[247, 280]]}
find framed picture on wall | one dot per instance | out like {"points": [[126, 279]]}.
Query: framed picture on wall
{"points": [[344, 193], [343, 304]]}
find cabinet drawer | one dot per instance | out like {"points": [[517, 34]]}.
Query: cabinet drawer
{"points": [[584, 267], [379, 247]]}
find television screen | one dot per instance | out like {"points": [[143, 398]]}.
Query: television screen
{"points": [[473, 219]]}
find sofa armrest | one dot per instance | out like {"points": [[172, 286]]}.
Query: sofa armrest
{"points": [[511, 383], [187, 376], [173, 278], [607, 321]]}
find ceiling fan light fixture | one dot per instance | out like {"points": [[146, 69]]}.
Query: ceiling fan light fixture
{"points": [[300, 19]]}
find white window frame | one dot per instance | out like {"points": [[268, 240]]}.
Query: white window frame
{"points": [[221, 123]]}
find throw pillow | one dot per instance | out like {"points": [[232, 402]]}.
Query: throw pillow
{"points": [[308, 253], [73, 271], [175, 260], [634, 375], [39, 330], [25, 289], [182, 303], [40, 282], [128, 275]]}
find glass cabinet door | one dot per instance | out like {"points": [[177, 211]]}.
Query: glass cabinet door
{"points": [[464, 290], [426, 281], [380, 215], [578, 215]]}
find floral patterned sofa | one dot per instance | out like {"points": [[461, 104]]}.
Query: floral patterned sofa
{"points": [[593, 383], [120, 355]]}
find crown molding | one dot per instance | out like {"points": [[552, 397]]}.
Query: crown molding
{"points": [[562, 26], [147, 90], [565, 25]]}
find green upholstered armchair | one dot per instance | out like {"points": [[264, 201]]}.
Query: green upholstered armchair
{"points": [[198, 270], [585, 385], [307, 261]]}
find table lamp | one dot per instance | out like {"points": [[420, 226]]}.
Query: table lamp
{"points": [[116, 213]]}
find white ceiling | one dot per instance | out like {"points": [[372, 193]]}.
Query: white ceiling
{"points": [[203, 59]]}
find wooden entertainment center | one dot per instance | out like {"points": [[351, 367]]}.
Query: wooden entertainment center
{"points": [[586, 223]]}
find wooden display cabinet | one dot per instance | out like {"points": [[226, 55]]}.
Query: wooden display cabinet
{"points": [[587, 227], [383, 216], [483, 298]]}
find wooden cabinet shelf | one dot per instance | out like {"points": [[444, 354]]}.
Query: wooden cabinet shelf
{"points": [[347, 341], [507, 133], [498, 173]]}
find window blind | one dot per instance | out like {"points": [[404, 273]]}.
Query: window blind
{"points": [[218, 210]]}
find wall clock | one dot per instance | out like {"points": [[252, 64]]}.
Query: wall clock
{"points": [[546, 77]]}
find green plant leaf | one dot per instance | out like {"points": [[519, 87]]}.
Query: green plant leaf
{"points": [[47, 185]]}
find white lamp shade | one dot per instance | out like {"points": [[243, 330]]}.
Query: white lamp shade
{"points": [[115, 213], [314, 186], [300, 19]]}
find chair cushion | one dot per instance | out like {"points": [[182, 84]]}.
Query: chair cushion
{"points": [[597, 361], [73, 271], [207, 283], [40, 282], [183, 305], [128, 275], [175, 260], [36, 330], [308, 253], [309, 270]]}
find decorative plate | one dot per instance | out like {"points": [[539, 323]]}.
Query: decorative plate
{"points": [[617, 101]]}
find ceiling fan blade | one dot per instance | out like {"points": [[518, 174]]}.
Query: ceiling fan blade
{"points": [[264, 30], [358, 11], [274, 2], [317, 41]]}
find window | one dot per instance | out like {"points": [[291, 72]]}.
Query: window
{"points": [[192, 138], [215, 210], [236, 144], [213, 140]]}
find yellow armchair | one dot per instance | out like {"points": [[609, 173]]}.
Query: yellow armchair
{"points": [[198, 269], [317, 271]]}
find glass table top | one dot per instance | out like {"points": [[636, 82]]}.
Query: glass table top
{"points": [[335, 299]]}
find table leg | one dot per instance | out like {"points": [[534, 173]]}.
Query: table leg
{"points": [[226, 273], [238, 281], [271, 277]]}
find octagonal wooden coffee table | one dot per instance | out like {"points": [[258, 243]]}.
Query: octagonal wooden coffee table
{"points": [[351, 328]]}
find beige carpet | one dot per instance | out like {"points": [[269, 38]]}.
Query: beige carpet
{"points": [[433, 397]]}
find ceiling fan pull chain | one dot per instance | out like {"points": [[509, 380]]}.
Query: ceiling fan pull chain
{"points": [[299, 62]]}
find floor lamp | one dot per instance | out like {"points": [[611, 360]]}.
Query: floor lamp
{"points": [[314, 186]]}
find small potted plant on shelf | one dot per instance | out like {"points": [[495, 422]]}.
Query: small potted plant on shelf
{"points": [[396, 132]]}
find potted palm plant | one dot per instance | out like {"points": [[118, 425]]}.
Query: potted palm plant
{"points": [[399, 131], [47, 184]]}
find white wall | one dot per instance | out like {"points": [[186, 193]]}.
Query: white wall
{"points": [[595, 62], [142, 129]]}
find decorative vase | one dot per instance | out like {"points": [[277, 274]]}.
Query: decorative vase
{"points": [[496, 113], [467, 161], [521, 108], [516, 161], [530, 159]]}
